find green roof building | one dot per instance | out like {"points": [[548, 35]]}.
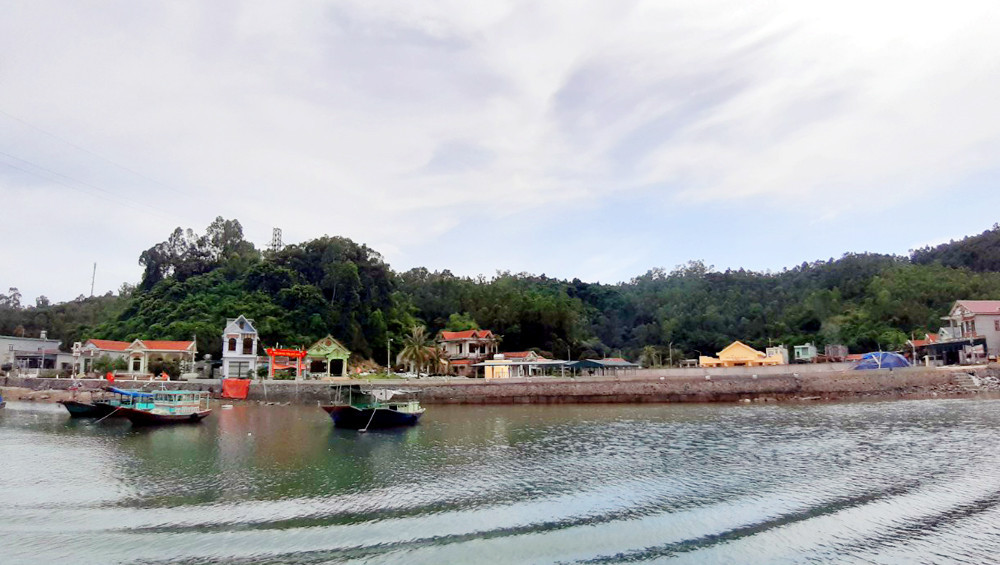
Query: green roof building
{"points": [[327, 358]]}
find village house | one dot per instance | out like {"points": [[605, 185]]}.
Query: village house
{"points": [[141, 353], [515, 364], [739, 354], [805, 353], [94, 349], [971, 336], [971, 319], [239, 348], [33, 353], [466, 348]]}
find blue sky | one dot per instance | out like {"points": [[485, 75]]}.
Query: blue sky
{"points": [[577, 139]]}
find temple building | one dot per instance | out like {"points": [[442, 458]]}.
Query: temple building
{"points": [[739, 354], [327, 358], [239, 348]]}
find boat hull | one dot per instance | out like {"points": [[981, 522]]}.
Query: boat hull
{"points": [[78, 409], [145, 418], [353, 418]]}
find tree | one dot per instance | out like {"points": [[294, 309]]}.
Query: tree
{"points": [[461, 322], [649, 355], [437, 360], [416, 349]]}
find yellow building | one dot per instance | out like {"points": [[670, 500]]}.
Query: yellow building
{"points": [[739, 354]]}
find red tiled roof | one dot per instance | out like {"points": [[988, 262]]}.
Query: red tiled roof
{"points": [[981, 306], [109, 344], [467, 334], [167, 345], [931, 338], [459, 362], [516, 354], [616, 359]]}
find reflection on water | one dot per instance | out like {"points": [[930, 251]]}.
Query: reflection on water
{"points": [[895, 482]]}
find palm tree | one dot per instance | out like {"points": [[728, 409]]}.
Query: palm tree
{"points": [[437, 360], [649, 356], [415, 348]]}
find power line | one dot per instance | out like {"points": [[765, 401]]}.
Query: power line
{"points": [[108, 195], [102, 157], [88, 151]]}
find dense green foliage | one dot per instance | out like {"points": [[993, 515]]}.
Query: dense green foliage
{"points": [[192, 283], [976, 252]]}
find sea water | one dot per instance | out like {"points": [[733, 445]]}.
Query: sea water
{"points": [[879, 482]]}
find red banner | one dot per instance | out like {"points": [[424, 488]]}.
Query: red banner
{"points": [[297, 353], [235, 388]]}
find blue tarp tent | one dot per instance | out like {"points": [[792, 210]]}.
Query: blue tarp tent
{"points": [[882, 360]]}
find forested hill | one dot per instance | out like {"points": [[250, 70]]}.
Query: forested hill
{"points": [[976, 252], [192, 282]]}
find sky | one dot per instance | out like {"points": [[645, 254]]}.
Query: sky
{"points": [[592, 140]]}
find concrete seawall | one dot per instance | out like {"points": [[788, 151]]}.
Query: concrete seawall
{"points": [[645, 386]]}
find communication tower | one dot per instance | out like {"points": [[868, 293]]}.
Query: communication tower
{"points": [[276, 240]]}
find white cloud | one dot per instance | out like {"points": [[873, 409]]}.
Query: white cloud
{"points": [[394, 124]]}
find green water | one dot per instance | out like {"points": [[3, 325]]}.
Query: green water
{"points": [[901, 482]]}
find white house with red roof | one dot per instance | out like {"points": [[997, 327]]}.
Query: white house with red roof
{"points": [[467, 347], [139, 353], [143, 352], [94, 349], [972, 319]]}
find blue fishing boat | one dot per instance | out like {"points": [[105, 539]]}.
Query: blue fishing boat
{"points": [[357, 409], [167, 407], [106, 407]]}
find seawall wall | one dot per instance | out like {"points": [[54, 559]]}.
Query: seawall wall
{"points": [[645, 386]]}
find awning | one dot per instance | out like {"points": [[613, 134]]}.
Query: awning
{"points": [[132, 393]]}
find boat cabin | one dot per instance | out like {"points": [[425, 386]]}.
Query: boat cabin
{"points": [[179, 401]]}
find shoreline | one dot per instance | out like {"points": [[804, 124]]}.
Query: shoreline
{"points": [[648, 386]]}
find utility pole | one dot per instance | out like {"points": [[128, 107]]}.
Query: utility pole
{"points": [[388, 355], [93, 277]]}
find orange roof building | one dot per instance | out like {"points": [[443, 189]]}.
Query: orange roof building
{"points": [[467, 347], [739, 354]]}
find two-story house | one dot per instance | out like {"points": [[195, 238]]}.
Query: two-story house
{"points": [[972, 319], [465, 348]]}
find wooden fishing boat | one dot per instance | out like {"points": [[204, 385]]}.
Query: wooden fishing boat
{"points": [[168, 407], [106, 407], [79, 409], [357, 409]]}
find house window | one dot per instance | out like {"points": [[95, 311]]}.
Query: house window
{"points": [[232, 344], [996, 325], [460, 349], [247, 345]]}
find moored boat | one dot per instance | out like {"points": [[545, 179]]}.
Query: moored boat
{"points": [[79, 409], [105, 407], [168, 407], [357, 409]]}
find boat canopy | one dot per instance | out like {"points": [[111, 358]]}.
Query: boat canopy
{"points": [[132, 393]]}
